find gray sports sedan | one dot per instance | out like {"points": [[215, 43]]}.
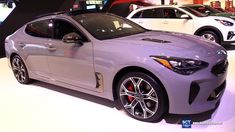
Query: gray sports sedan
{"points": [[150, 73]]}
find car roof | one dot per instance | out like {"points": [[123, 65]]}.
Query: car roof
{"points": [[194, 5], [159, 6], [68, 13]]}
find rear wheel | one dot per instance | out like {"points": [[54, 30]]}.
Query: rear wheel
{"points": [[142, 97], [19, 69], [210, 35]]}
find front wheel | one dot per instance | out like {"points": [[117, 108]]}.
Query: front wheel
{"points": [[210, 35], [142, 97], [19, 69]]}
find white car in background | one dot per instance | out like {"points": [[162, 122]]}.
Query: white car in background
{"points": [[185, 20], [5, 11]]}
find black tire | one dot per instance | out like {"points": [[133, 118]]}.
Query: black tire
{"points": [[147, 95], [210, 35], [19, 69]]}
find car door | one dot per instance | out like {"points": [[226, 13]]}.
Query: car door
{"points": [[35, 46], [71, 63], [149, 18], [173, 21]]}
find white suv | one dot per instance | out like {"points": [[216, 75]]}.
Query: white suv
{"points": [[185, 20]]}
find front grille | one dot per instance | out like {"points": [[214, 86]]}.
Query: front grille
{"points": [[216, 93], [220, 67]]}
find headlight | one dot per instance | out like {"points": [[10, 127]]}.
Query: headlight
{"points": [[180, 65], [224, 22]]}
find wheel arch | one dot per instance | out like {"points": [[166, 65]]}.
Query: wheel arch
{"points": [[210, 28], [12, 55], [129, 69]]}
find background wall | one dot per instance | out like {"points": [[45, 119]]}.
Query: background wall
{"points": [[26, 11]]}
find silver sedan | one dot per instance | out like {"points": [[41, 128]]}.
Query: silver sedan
{"points": [[151, 73]]}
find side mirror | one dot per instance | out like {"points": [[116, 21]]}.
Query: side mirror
{"points": [[72, 38], [185, 16]]}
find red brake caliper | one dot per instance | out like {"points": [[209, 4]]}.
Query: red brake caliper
{"points": [[130, 88]]}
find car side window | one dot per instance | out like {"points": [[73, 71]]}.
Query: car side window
{"points": [[62, 27], [152, 13], [137, 15], [171, 13], [43, 29]]}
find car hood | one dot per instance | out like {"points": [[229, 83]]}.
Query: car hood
{"points": [[168, 44], [224, 14]]}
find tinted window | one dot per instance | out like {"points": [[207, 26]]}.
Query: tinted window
{"points": [[169, 13], [172, 13], [179, 13], [63, 27], [105, 26], [194, 12], [138, 14], [152, 13], [40, 29]]}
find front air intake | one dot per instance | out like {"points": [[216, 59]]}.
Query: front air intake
{"points": [[216, 93], [194, 90]]}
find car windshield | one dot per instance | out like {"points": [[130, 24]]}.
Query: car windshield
{"points": [[204, 9], [194, 12], [105, 26]]}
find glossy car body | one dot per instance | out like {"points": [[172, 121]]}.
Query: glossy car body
{"points": [[99, 62], [205, 9], [182, 19]]}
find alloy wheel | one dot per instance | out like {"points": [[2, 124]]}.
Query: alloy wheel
{"points": [[19, 70], [210, 37], [138, 97]]}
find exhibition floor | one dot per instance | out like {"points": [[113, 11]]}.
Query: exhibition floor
{"points": [[41, 107]]}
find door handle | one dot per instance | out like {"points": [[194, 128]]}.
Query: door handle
{"points": [[51, 48], [22, 45]]}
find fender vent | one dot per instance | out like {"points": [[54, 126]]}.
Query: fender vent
{"points": [[99, 82]]}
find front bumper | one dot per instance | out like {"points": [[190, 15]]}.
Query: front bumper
{"points": [[197, 93]]}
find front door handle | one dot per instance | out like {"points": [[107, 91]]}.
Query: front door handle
{"points": [[51, 48], [22, 44]]}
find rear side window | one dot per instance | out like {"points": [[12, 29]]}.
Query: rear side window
{"points": [[150, 13], [43, 29]]}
